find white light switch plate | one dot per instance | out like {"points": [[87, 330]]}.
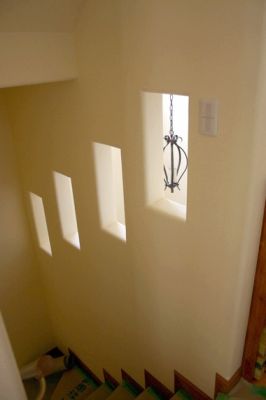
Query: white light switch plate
{"points": [[208, 117]]}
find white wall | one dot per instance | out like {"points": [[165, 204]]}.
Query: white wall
{"points": [[171, 296], [255, 197], [21, 290], [36, 57]]}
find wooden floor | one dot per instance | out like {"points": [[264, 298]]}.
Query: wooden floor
{"points": [[243, 390]]}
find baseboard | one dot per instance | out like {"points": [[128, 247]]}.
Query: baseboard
{"points": [[183, 383], [137, 388], [151, 381], [82, 365], [110, 380], [223, 385]]}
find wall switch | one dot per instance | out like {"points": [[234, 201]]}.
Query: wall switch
{"points": [[208, 117]]}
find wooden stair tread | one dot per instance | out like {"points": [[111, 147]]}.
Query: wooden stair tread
{"points": [[148, 394], [181, 395], [121, 393], [101, 393], [73, 382], [251, 397]]}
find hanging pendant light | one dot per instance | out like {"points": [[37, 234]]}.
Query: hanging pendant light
{"points": [[175, 157]]}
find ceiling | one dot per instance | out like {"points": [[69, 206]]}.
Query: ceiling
{"points": [[39, 15]]}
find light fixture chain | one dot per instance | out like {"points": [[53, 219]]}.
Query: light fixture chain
{"points": [[171, 115]]}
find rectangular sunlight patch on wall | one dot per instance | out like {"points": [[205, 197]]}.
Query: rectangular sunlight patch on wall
{"points": [[110, 193], [40, 222], [66, 208]]}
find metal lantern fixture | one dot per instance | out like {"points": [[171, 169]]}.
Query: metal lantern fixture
{"points": [[178, 160]]}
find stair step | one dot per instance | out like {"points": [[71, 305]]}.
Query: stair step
{"points": [[148, 394], [151, 394], [222, 396], [122, 392], [181, 395], [74, 383], [244, 390], [101, 393], [251, 397]]}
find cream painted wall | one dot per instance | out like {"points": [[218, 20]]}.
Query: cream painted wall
{"points": [[39, 15], [36, 57], [21, 289], [175, 295], [256, 195]]}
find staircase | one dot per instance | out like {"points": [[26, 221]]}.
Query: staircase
{"points": [[78, 384]]}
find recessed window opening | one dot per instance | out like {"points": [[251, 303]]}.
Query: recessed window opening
{"points": [[110, 193], [179, 121], [165, 126], [66, 208], [40, 222]]}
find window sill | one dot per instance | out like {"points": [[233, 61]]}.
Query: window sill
{"points": [[171, 208]]}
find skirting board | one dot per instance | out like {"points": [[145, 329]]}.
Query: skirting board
{"points": [[82, 365], [110, 379], [135, 385], [183, 383], [223, 385], [151, 381]]}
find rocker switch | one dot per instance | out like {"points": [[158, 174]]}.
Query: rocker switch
{"points": [[208, 117]]}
